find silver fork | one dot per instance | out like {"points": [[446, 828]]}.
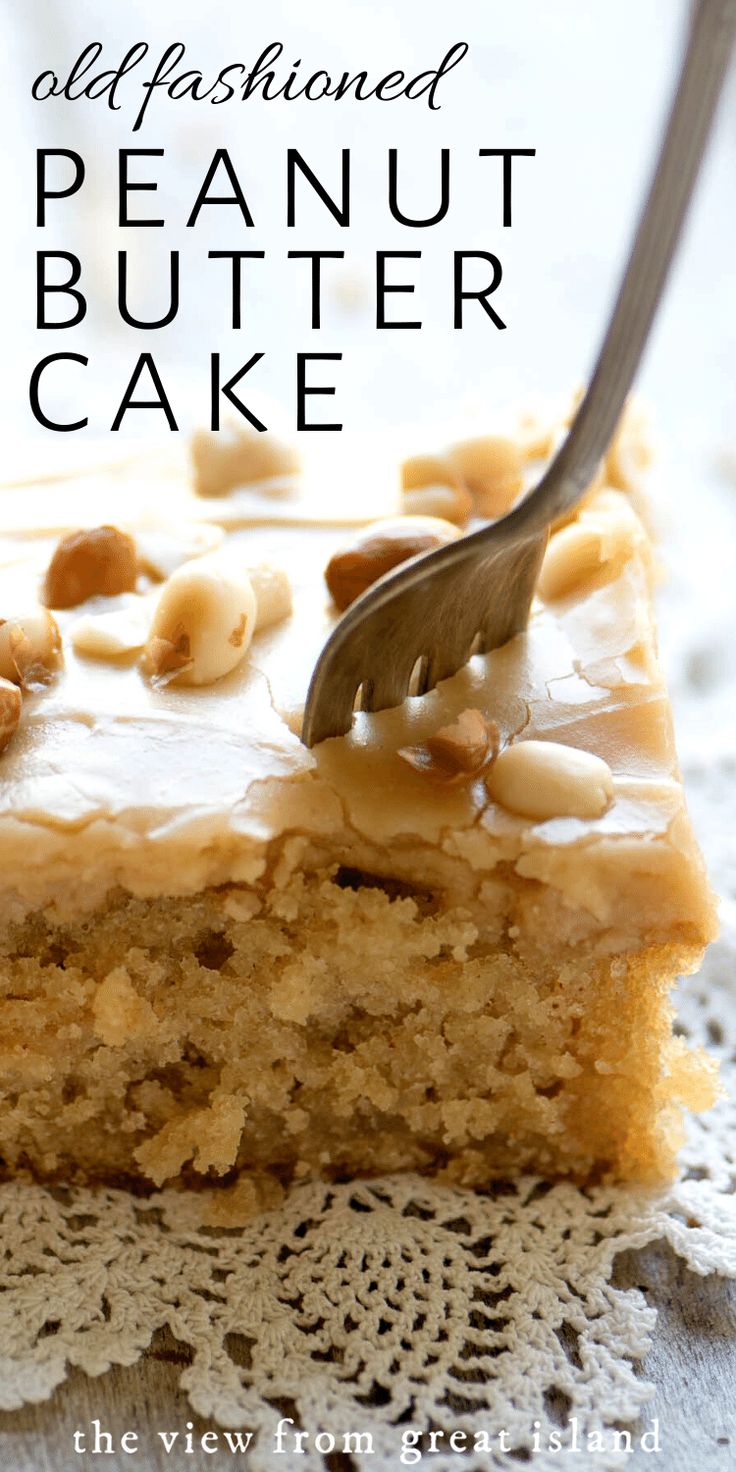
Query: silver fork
{"points": [[475, 594]]}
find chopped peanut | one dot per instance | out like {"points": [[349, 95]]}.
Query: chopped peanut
{"points": [[457, 752], [202, 625], [545, 779], [378, 548], [238, 456], [492, 469], [30, 649], [98, 559], [10, 704]]}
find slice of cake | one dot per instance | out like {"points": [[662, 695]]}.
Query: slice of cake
{"points": [[444, 942]]}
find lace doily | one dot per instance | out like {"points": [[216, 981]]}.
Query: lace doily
{"points": [[388, 1308]]}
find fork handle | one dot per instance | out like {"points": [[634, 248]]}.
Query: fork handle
{"points": [[711, 36]]}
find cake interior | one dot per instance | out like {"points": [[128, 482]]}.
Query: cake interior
{"points": [[342, 1023]]}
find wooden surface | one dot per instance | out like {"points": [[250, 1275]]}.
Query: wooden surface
{"points": [[692, 1363]]}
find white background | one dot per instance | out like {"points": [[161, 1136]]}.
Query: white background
{"points": [[582, 81]]}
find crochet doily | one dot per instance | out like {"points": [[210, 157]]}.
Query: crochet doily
{"points": [[393, 1307]]}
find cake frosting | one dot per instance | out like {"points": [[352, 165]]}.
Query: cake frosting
{"points": [[113, 781]]}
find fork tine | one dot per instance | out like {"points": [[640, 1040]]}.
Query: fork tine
{"points": [[420, 683], [448, 657], [334, 715], [439, 667], [387, 686], [508, 613], [375, 646]]}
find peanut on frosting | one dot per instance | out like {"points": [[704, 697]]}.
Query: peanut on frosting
{"points": [[10, 704], [238, 456], [492, 469], [113, 634], [451, 503], [123, 630], [427, 470], [630, 452], [457, 752], [378, 548], [594, 546], [30, 648], [94, 560], [546, 779], [203, 623], [430, 487], [272, 588]]}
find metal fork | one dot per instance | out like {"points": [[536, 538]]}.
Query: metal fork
{"points": [[475, 594]]}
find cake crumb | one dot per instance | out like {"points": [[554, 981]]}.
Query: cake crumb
{"points": [[119, 1013]]}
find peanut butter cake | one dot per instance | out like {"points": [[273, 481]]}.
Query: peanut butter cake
{"points": [[444, 942]]}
